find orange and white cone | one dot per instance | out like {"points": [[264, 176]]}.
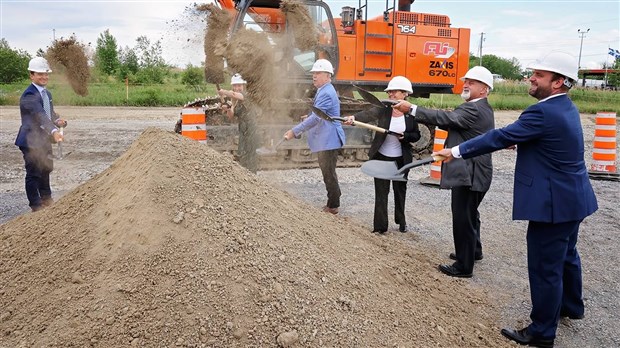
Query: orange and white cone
{"points": [[194, 124], [603, 164], [438, 144]]}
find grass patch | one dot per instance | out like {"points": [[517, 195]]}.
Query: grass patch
{"points": [[505, 96]]}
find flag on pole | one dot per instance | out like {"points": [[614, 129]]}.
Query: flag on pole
{"points": [[614, 53]]}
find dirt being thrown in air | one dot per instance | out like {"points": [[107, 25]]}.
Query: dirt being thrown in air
{"points": [[262, 76], [71, 55], [304, 30], [216, 36]]}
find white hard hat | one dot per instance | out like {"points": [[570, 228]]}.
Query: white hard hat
{"points": [[237, 80], [322, 65], [479, 73], [399, 83], [557, 62], [39, 64]]}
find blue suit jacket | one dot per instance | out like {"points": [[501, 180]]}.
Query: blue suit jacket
{"points": [[323, 135], [36, 128], [551, 182]]}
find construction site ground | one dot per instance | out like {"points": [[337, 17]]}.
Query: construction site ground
{"points": [[156, 241]]}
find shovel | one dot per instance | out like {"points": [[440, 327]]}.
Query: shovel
{"points": [[372, 99], [390, 171], [60, 155], [266, 151], [326, 117]]}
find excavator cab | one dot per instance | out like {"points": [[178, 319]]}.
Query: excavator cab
{"points": [[266, 16]]}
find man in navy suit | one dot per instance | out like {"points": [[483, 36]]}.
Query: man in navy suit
{"points": [[38, 129], [551, 190], [325, 138]]}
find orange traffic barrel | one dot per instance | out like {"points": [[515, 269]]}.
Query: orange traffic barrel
{"points": [[193, 124], [438, 144], [603, 164]]}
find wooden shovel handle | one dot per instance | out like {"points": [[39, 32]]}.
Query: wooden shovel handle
{"points": [[375, 128]]}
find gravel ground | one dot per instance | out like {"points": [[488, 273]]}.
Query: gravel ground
{"points": [[502, 273]]}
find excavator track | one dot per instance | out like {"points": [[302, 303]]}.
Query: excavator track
{"points": [[223, 134]]}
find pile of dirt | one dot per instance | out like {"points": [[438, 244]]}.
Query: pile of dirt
{"points": [[176, 245], [71, 56]]}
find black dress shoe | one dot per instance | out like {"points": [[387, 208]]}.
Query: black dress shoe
{"points": [[380, 231], [452, 271], [524, 338], [403, 228], [571, 316], [476, 258]]}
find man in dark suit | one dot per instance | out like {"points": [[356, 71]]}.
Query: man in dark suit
{"points": [[468, 179], [551, 190], [39, 126]]}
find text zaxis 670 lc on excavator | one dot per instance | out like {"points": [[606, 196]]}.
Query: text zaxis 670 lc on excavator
{"points": [[366, 52]]}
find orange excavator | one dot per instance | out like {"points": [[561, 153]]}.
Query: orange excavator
{"points": [[365, 52], [368, 52]]}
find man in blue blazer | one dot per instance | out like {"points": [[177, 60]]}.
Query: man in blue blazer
{"points": [[38, 129], [551, 190], [325, 138]]}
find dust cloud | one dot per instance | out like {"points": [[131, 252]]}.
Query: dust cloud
{"points": [[216, 36], [304, 30], [71, 56]]}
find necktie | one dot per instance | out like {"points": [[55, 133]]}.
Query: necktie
{"points": [[46, 104]]}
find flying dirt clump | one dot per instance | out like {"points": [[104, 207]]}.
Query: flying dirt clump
{"points": [[176, 245], [251, 54], [70, 54], [304, 29], [216, 36]]}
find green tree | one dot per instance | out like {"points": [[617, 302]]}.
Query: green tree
{"points": [[14, 65], [128, 63], [613, 79], [106, 54], [192, 76], [508, 68], [153, 68]]}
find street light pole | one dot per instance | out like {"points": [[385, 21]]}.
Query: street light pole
{"points": [[581, 34]]}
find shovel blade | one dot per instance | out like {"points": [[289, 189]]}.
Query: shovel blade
{"points": [[269, 151], [382, 170], [264, 151]]}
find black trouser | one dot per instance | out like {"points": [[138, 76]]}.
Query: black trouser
{"points": [[248, 143], [39, 165], [382, 190], [327, 162], [466, 226]]}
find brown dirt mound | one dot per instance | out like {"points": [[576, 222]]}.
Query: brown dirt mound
{"points": [[70, 54], [176, 245]]}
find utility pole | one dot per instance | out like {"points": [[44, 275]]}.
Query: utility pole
{"points": [[53, 34], [480, 50], [581, 34]]}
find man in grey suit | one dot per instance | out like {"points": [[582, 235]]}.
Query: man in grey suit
{"points": [[468, 179]]}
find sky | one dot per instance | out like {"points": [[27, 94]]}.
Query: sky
{"points": [[523, 29]]}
